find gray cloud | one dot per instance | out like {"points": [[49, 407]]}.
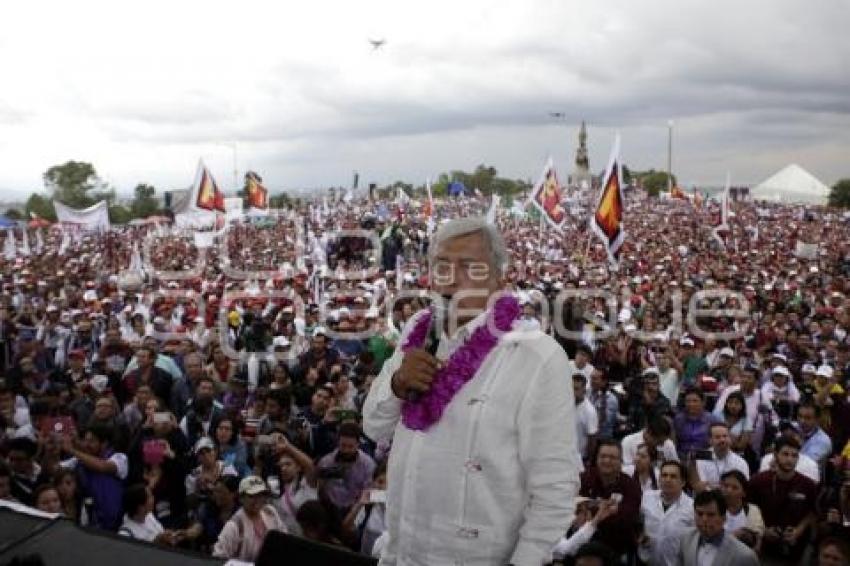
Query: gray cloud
{"points": [[749, 85]]}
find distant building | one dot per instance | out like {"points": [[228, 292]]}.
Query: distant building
{"points": [[581, 176]]}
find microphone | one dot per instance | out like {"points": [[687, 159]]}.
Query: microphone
{"points": [[432, 342]]}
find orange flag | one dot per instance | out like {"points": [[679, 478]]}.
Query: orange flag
{"points": [[209, 196], [257, 193], [607, 219]]}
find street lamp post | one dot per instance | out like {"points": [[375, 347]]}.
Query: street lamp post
{"points": [[232, 146], [669, 156]]}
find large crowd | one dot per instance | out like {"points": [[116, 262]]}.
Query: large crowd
{"points": [[215, 393]]}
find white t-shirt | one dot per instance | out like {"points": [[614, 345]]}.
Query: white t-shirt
{"points": [[772, 392], [710, 471], [631, 442], [805, 466], [735, 522], [668, 382], [292, 497], [375, 526], [146, 531], [587, 424], [119, 459]]}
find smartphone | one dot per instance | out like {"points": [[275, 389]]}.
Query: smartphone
{"points": [[161, 417], [616, 497], [703, 455]]}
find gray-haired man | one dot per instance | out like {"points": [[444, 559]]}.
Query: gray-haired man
{"points": [[492, 480]]}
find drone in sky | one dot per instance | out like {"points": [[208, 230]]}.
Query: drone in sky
{"points": [[557, 114], [377, 43]]}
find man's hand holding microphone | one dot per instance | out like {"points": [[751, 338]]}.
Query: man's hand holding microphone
{"points": [[419, 365], [415, 375]]}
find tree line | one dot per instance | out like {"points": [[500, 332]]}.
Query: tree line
{"points": [[77, 184]]}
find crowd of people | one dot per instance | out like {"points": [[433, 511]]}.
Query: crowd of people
{"points": [[203, 411]]}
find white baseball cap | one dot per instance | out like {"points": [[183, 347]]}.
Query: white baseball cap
{"points": [[825, 371]]}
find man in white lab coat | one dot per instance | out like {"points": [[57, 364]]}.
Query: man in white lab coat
{"points": [[493, 481], [667, 514]]}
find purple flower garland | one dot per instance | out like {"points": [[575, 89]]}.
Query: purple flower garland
{"points": [[460, 367]]}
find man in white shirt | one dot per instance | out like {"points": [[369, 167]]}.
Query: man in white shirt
{"points": [[493, 478], [582, 363], [706, 472], [805, 465], [587, 421], [668, 377], [667, 513], [656, 434]]}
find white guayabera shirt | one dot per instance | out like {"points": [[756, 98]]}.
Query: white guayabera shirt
{"points": [[495, 480]]}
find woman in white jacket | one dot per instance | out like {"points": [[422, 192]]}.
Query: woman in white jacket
{"points": [[243, 535]]}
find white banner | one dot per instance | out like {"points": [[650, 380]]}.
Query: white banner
{"points": [[95, 217], [204, 239], [806, 251], [233, 208]]}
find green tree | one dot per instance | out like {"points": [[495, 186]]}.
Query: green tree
{"points": [[654, 181], [406, 187], [14, 214], [280, 200], [839, 195], [40, 206], [482, 178], [145, 203], [119, 214], [72, 182]]}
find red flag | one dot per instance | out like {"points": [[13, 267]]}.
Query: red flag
{"points": [[607, 219], [547, 195], [257, 193], [209, 196]]}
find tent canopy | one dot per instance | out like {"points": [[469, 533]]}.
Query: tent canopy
{"points": [[793, 184]]}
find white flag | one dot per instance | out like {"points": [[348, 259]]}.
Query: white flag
{"points": [[10, 248], [135, 259], [401, 198], [66, 241], [494, 206], [25, 243], [431, 223], [724, 215]]}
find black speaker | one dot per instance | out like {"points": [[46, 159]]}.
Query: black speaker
{"points": [[167, 200], [281, 549]]}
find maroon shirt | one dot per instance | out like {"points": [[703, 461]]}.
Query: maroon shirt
{"points": [[783, 503], [618, 531]]}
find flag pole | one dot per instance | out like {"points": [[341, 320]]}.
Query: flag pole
{"points": [[540, 232]]}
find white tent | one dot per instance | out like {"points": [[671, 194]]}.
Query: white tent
{"points": [[793, 184]]}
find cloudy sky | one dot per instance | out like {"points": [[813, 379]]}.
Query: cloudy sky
{"points": [[143, 89]]}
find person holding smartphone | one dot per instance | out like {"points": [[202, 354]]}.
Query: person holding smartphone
{"points": [[365, 522]]}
